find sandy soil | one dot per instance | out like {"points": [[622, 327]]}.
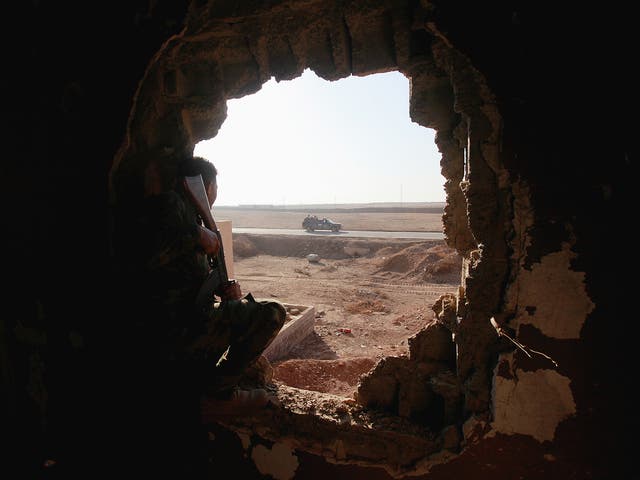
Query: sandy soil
{"points": [[370, 296]]}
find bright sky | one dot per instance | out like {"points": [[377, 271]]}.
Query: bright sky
{"points": [[311, 141]]}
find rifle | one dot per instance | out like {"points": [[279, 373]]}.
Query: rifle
{"points": [[218, 276]]}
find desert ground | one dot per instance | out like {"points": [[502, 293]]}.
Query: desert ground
{"points": [[423, 217], [370, 295]]}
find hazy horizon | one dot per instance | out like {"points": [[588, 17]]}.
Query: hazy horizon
{"points": [[309, 141], [350, 204]]}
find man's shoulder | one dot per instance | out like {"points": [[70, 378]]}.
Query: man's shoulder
{"points": [[169, 204]]}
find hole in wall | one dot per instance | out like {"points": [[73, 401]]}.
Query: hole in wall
{"points": [[210, 73], [346, 150]]}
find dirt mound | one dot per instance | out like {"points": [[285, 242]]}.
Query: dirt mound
{"points": [[339, 377], [336, 248], [422, 262], [398, 262], [243, 247], [283, 246], [389, 250], [368, 302], [366, 307]]}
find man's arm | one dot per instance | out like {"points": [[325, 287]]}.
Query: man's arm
{"points": [[209, 241], [228, 289]]}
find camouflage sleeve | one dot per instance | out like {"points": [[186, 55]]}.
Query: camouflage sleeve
{"points": [[172, 231]]}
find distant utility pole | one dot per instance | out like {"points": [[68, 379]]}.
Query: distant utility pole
{"points": [[400, 194]]}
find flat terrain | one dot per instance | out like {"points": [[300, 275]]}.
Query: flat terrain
{"points": [[423, 218], [370, 296]]}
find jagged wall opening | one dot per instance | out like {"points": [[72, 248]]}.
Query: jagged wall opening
{"points": [[407, 271], [225, 53]]}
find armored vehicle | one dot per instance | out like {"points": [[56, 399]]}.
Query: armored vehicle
{"points": [[312, 222]]}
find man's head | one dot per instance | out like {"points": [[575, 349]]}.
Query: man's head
{"points": [[201, 166]]}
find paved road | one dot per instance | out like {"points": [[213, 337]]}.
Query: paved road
{"points": [[343, 233]]}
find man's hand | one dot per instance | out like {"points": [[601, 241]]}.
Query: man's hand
{"points": [[209, 241], [230, 291]]}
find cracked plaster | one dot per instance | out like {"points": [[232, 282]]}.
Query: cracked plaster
{"points": [[279, 461], [559, 294], [532, 403]]}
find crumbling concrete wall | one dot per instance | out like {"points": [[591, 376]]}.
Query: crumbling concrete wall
{"points": [[526, 211], [227, 51]]}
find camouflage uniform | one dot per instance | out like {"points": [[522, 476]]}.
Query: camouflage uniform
{"points": [[174, 267]]}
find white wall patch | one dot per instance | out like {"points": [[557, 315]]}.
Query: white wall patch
{"points": [[280, 462], [558, 294], [533, 403]]}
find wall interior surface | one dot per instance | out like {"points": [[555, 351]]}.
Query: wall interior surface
{"points": [[530, 191]]}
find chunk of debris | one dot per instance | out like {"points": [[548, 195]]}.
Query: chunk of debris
{"points": [[313, 258]]}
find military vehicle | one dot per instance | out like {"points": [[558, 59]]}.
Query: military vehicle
{"points": [[312, 222]]}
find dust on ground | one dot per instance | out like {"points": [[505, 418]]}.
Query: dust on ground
{"points": [[370, 296]]}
